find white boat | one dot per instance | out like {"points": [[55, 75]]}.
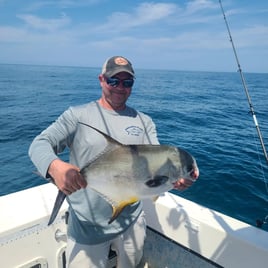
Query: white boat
{"points": [[180, 233]]}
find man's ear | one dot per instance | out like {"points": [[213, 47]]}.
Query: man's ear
{"points": [[101, 78]]}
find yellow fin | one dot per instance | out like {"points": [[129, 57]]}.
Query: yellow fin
{"points": [[155, 198], [119, 208]]}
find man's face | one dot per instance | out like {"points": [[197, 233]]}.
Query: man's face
{"points": [[116, 91]]}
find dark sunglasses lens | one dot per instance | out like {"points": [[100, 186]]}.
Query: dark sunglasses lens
{"points": [[113, 82], [128, 82]]}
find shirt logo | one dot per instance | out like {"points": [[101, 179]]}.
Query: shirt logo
{"points": [[134, 131]]}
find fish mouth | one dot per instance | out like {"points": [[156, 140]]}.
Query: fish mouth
{"points": [[194, 174]]}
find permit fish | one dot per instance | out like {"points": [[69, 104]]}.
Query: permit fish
{"points": [[125, 174]]}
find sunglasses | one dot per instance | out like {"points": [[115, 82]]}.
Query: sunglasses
{"points": [[114, 82]]}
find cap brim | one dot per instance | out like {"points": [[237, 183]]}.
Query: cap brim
{"points": [[119, 70]]}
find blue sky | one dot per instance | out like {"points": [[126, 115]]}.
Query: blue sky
{"points": [[177, 35]]}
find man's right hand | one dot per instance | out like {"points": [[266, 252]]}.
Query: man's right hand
{"points": [[66, 176]]}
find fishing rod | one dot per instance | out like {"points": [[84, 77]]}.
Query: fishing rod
{"points": [[259, 222], [245, 86]]}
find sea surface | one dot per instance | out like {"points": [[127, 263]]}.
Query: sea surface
{"points": [[206, 113]]}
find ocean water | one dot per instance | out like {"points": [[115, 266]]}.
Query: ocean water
{"points": [[206, 113]]}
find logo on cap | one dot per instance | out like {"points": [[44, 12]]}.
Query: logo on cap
{"points": [[120, 61]]}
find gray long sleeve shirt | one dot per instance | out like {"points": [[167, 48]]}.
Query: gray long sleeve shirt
{"points": [[90, 213]]}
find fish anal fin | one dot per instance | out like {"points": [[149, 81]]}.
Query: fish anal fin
{"points": [[154, 198], [117, 210]]}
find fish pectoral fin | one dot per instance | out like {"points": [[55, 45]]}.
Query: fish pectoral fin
{"points": [[117, 209]]}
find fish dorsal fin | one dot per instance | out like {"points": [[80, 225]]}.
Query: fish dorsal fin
{"points": [[109, 138], [111, 144]]}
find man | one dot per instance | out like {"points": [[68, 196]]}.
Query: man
{"points": [[89, 234]]}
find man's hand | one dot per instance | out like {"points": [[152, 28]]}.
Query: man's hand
{"points": [[182, 184], [66, 176]]}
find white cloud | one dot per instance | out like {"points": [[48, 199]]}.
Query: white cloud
{"points": [[149, 12], [38, 5], [144, 14], [38, 23], [253, 36], [11, 34], [200, 5]]}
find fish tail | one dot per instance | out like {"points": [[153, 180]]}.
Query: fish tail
{"points": [[57, 205]]}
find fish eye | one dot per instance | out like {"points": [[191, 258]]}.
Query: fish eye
{"points": [[157, 181]]}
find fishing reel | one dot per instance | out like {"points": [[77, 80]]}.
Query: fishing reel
{"points": [[260, 223]]}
